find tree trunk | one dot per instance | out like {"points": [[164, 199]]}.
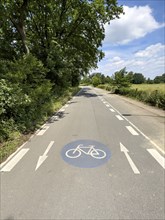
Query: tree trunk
{"points": [[21, 30]]}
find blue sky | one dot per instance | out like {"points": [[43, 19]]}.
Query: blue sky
{"points": [[136, 40]]}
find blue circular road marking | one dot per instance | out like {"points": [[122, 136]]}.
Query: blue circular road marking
{"points": [[85, 153]]}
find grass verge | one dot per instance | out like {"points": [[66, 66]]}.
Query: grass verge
{"points": [[151, 94]]}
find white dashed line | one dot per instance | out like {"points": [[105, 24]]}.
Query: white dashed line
{"points": [[11, 164], [112, 110], [119, 117], [160, 159], [131, 130], [145, 136]]}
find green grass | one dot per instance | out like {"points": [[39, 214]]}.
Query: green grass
{"points": [[149, 87]]}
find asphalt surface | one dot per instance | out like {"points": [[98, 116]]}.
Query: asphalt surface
{"points": [[100, 157]]}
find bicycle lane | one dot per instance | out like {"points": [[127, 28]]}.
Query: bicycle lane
{"points": [[92, 193]]}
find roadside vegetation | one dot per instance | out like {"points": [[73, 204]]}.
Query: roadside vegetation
{"points": [[46, 46], [132, 85]]}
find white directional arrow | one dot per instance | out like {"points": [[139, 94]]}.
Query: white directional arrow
{"points": [[44, 156], [125, 151]]}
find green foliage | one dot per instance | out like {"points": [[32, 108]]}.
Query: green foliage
{"points": [[121, 79], [96, 80], [23, 93], [138, 78], [160, 79], [107, 87], [46, 46], [64, 35], [154, 98]]}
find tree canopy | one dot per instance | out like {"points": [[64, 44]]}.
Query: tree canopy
{"points": [[65, 35], [45, 48]]}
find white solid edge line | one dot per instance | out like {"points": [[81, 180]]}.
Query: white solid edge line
{"points": [[146, 137], [12, 155], [11, 164], [159, 158]]}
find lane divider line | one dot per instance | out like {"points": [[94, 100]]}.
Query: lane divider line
{"points": [[159, 158], [11, 164], [119, 117], [112, 110], [145, 136], [131, 130]]}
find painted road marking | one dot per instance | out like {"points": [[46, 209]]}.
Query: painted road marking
{"points": [[125, 151], [44, 156], [43, 130], [145, 136], [119, 117], [112, 110], [12, 155], [85, 153], [89, 150], [131, 130], [11, 164], [160, 159], [107, 105]]}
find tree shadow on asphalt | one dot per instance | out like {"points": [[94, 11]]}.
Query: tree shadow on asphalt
{"points": [[87, 94], [155, 116], [56, 117]]}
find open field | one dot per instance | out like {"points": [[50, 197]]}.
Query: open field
{"points": [[152, 94], [149, 87]]}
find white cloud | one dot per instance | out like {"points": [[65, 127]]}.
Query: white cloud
{"points": [[134, 24], [150, 61], [153, 50]]}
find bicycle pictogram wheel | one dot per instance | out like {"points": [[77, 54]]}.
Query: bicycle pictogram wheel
{"points": [[72, 153], [98, 154]]}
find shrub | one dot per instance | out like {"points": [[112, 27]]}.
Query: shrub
{"points": [[96, 81], [154, 98], [24, 93]]}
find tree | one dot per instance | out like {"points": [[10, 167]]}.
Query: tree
{"points": [[65, 35], [14, 16], [96, 80], [121, 79], [149, 81], [138, 78], [160, 79]]}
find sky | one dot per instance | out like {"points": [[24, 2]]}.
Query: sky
{"points": [[136, 40]]}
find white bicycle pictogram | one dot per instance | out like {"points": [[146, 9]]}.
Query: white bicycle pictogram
{"points": [[90, 150]]}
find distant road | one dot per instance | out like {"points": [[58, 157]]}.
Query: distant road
{"points": [[100, 157]]}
